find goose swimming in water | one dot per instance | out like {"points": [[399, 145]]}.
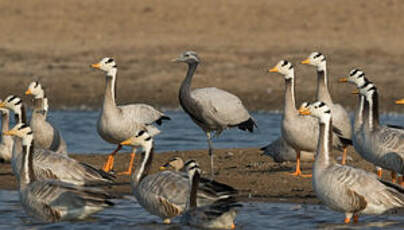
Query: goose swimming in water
{"points": [[164, 194], [118, 123], [52, 200], [344, 188]]}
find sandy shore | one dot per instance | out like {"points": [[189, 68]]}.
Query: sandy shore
{"points": [[256, 176], [237, 41]]}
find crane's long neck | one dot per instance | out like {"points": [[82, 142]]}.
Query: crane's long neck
{"points": [[110, 91], [322, 93], [373, 118], [185, 89], [147, 158], [324, 144], [194, 189], [27, 175], [359, 113], [5, 120], [289, 102]]}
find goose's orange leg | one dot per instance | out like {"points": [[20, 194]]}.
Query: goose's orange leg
{"points": [[109, 164], [344, 154], [393, 177], [298, 172], [132, 158], [379, 172]]}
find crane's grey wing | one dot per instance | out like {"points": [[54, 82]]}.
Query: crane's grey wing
{"points": [[222, 106]]}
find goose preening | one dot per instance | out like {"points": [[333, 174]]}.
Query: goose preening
{"points": [[357, 77], [118, 123], [51, 165], [341, 117], [46, 135], [164, 194], [212, 109], [301, 132], [382, 145], [280, 151], [220, 214], [7, 142], [344, 188], [51, 200]]}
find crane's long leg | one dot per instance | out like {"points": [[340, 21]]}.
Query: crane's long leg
{"points": [[132, 158], [109, 164], [298, 172], [212, 170]]}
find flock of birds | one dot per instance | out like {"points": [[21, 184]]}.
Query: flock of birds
{"points": [[54, 187]]}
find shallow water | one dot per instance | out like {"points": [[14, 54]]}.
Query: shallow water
{"points": [[79, 130], [128, 214]]}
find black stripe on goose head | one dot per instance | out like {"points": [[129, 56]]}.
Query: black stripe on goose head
{"points": [[148, 139], [109, 60], [36, 84], [189, 162], [23, 126], [30, 132], [11, 98], [327, 111], [19, 101], [353, 72], [317, 55], [140, 133]]}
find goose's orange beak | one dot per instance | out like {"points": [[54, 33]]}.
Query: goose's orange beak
{"points": [[343, 79], [306, 61], [274, 70], [96, 66], [400, 102], [356, 91], [28, 92], [126, 142], [304, 111]]}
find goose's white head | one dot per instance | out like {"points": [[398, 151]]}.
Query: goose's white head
{"points": [[23, 131], [189, 57], [192, 167], [317, 109], [35, 89], [107, 64], [316, 59], [285, 68], [175, 163], [13, 103], [357, 77], [142, 138]]}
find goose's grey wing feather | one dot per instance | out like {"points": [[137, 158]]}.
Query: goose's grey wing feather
{"points": [[221, 106], [390, 148], [141, 113], [6, 148], [50, 165], [46, 135], [52, 201]]}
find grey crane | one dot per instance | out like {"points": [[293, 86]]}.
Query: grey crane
{"points": [[212, 109]]}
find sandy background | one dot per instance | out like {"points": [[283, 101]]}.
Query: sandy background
{"points": [[55, 41]]}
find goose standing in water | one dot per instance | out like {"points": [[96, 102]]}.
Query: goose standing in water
{"points": [[46, 135], [118, 123], [220, 214], [164, 194], [52, 200], [7, 142], [344, 188], [211, 109], [382, 145], [298, 131], [341, 117], [357, 77]]}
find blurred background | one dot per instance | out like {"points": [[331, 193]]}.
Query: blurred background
{"points": [[56, 41]]}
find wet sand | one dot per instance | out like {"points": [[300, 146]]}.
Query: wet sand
{"points": [[256, 176]]}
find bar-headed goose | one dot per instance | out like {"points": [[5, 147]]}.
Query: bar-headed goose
{"points": [[301, 132], [7, 142], [51, 200], [341, 117], [382, 145], [357, 78], [220, 214], [175, 163], [51, 165], [118, 123], [212, 109], [46, 135], [164, 194], [344, 188]]}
